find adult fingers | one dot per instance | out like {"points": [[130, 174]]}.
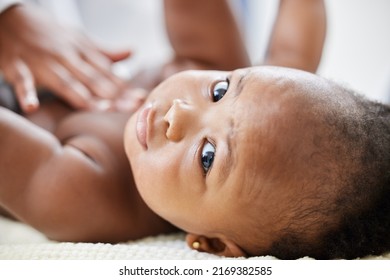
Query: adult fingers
{"points": [[58, 79], [92, 67], [116, 56], [88, 47], [104, 65], [21, 78], [91, 77]]}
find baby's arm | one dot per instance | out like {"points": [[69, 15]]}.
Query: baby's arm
{"points": [[58, 188], [298, 35]]}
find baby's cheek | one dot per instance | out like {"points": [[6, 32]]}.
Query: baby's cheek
{"points": [[153, 186], [129, 137], [149, 169]]}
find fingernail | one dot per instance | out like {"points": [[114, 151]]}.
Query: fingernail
{"points": [[122, 70], [31, 103], [31, 100], [103, 105]]}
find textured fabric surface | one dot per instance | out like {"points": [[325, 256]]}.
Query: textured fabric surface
{"points": [[20, 242]]}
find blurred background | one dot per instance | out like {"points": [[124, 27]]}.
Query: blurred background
{"points": [[356, 53], [357, 48]]}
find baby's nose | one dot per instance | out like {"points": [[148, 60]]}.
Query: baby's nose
{"points": [[179, 120]]}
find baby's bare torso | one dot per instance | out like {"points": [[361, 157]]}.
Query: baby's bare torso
{"points": [[106, 207]]}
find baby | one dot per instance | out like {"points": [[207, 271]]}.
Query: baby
{"points": [[257, 161]]}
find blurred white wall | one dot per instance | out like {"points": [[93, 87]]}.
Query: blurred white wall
{"points": [[357, 48]]}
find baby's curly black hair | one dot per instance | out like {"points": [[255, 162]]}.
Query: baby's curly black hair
{"points": [[356, 223]]}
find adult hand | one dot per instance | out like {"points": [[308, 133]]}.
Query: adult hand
{"points": [[37, 51]]}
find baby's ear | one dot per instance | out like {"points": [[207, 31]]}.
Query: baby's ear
{"points": [[216, 246]]}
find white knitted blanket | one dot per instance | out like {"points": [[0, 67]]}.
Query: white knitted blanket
{"points": [[19, 241]]}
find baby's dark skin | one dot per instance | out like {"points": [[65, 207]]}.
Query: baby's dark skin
{"points": [[67, 173], [83, 189], [77, 183]]}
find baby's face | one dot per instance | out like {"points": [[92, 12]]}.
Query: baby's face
{"points": [[212, 151]]}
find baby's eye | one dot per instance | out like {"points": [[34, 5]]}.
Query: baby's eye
{"points": [[219, 90], [207, 156]]}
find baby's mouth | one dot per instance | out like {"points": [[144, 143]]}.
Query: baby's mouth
{"points": [[142, 125]]}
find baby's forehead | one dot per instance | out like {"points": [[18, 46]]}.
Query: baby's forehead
{"points": [[281, 80], [272, 143], [278, 117]]}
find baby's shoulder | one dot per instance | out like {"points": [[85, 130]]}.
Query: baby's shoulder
{"points": [[98, 137], [100, 125]]}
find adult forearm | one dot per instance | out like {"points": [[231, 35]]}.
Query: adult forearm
{"points": [[5, 4], [299, 34], [205, 31]]}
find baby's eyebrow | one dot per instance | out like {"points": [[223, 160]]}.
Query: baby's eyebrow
{"points": [[228, 162], [240, 85]]}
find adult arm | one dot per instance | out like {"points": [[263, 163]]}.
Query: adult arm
{"points": [[298, 36], [203, 35], [206, 32], [5, 4]]}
